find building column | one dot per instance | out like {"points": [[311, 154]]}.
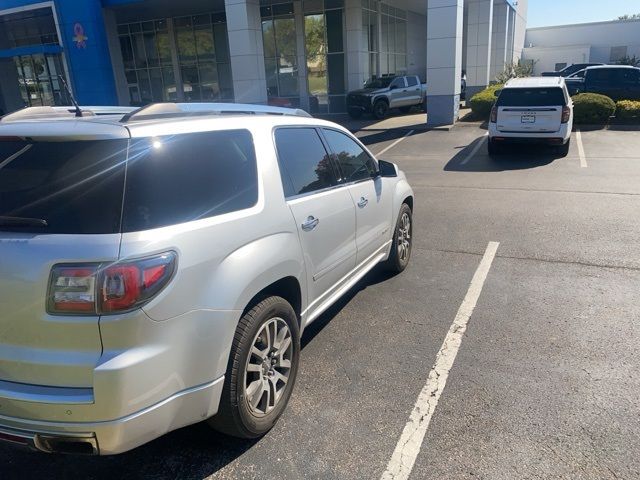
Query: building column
{"points": [[301, 55], [355, 51], [246, 51], [115, 52], [478, 45], [444, 60], [86, 51], [499, 39]]}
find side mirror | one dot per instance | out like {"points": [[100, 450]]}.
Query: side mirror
{"points": [[497, 93], [387, 169], [392, 87]]}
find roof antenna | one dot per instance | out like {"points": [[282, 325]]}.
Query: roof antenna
{"points": [[73, 100]]}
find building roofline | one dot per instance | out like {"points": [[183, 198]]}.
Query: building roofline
{"points": [[588, 24]]}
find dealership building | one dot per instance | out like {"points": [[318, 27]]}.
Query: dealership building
{"points": [[553, 48], [306, 53]]}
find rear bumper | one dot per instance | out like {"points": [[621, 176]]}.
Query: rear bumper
{"points": [[119, 435], [153, 377], [559, 137]]}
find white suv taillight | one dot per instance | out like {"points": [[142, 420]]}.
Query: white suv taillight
{"points": [[93, 289], [566, 114], [494, 114]]}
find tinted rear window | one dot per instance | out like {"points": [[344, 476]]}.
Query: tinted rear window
{"points": [[180, 178], [531, 97], [76, 187]]}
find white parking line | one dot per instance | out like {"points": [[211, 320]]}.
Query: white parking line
{"points": [[394, 143], [475, 149], [408, 447], [583, 158]]}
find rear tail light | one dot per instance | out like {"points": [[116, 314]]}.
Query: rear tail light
{"points": [[566, 114], [94, 289], [494, 114]]}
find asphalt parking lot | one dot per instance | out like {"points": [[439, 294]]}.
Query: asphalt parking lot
{"points": [[545, 383]]}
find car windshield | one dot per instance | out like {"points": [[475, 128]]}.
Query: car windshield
{"points": [[379, 82], [531, 97]]}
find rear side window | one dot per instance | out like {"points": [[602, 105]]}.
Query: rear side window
{"points": [[180, 178], [305, 165], [602, 75], [75, 187], [355, 163], [531, 97], [412, 82]]}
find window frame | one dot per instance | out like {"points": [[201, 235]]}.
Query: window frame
{"points": [[281, 165]]}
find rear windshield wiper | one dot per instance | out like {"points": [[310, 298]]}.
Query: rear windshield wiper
{"points": [[22, 222]]}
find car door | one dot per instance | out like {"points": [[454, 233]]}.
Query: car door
{"points": [[398, 93], [604, 81], [370, 192], [323, 210], [414, 94], [631, 84]]}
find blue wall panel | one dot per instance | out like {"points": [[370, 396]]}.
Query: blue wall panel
{"points": [[85, 42]]}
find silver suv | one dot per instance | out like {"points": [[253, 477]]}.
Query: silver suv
{"points": [[158, 269]]}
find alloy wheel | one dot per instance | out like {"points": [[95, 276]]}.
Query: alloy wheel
{"points": [[404, 237], [268, 366]]}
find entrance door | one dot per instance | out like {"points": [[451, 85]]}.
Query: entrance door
{"points": [[38, 79]]}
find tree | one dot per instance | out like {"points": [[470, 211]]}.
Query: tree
{"points": [[627, 60], [634, 16], [517, 69]]}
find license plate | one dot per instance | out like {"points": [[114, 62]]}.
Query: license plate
{"points": [[528, 119]]}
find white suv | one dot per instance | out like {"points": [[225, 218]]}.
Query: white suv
{"points": [[532, 110], [158, 270]]}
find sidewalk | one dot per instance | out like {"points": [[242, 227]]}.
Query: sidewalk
{"points": [[396, 120]]}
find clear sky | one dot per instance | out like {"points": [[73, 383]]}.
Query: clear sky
{"points": [[543, 13]]}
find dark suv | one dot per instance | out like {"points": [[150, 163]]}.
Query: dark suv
{"points": [[619, 82], [570, 70]]}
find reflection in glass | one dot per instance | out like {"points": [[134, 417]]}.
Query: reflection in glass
{"points": [[281, 68], [200, 42]]}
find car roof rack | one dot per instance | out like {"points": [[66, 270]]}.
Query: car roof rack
{"points": [[47, 112], [156, 111]]}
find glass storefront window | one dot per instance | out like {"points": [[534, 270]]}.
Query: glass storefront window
{"points": [[280, 54], [393, 41], [38, 79], [202, 64], [324, 44], [30, 27]]}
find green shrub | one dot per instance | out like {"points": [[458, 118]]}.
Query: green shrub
{"points": [[482, 102], [592, 109], [628, 111]]}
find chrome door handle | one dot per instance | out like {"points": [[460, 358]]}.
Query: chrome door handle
{"points": [[311, 223], [363, 202]]}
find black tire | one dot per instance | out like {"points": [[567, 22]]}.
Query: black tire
{"points": [[380, 109], [493, 148], [563, 150], [397, 262], [405, 109], [355, 114], [235, 416]]}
